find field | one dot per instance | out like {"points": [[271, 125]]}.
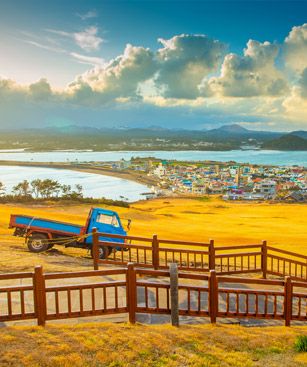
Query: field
{"points": [[282, 225], [104, 344]]}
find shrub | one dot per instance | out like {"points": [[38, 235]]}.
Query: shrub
{"points": [[300, 344]]}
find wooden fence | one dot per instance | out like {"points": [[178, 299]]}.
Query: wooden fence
{"points": [[132, 290], [190, 256]]}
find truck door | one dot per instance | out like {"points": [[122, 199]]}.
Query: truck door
{"points": [[107, 221]]}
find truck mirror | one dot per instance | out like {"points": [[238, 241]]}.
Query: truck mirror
{"points": [[129, 224]]}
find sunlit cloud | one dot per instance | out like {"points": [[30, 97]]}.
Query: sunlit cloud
{"points": [[45, 46], [190, 74], [88, 60], [87, 39]]}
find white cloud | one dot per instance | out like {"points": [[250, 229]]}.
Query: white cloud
{"points": [[296, 48], [295, 106], [184, 61], [185, 74], [45, 46], [88, 39], [40, 90], [88, 15], [89, 60], [250, 75], [303, 83], [119, 78]]}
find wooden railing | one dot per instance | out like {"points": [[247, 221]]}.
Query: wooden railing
{"points": [[13, 304], [153, 252], [131, 290], [283, 263], [158, 253]]}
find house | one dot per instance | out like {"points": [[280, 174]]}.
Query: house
{"points": [[123, 164], [266, 188], [159, 171]]}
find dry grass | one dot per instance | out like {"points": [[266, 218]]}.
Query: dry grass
{"points": [[283, 225], [125, 345]]}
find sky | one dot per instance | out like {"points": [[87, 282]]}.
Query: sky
{"points": [[175, 64]]}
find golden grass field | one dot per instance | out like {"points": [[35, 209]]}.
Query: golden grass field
{"points": [[122, 345], [82, 345], [282, 225]]}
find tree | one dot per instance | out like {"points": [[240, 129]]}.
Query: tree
{"points": [[36, 187], [2, 189], [66, 190], [50, 188], [68, 193], [22, 189], [79, 190]]}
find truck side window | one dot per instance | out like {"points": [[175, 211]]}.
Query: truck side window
{"points": [[108, 219]]}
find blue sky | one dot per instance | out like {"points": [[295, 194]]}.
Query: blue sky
{"points": [[193, 64]]}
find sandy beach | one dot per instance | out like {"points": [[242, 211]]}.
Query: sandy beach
{"points": [[139, 177]]}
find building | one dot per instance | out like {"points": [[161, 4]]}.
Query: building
{"points": [[266, 188], [159, 171]]}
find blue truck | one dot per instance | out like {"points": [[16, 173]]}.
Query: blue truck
{"points": [[42, 234]]}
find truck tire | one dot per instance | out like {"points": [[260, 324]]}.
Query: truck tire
{"points": [[103, 252], [38, 243]]}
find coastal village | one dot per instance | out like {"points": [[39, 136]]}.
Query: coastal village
{"points": [[231, 180]]}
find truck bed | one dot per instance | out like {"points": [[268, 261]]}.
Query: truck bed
{"points": [[34, 223]]}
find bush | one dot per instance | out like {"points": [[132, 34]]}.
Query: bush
{"points": [[300, 344]]}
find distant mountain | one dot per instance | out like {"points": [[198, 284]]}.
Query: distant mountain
{"points": [[231, 129], [226, 137], [286, 142], [236, 132], [300, 133]]}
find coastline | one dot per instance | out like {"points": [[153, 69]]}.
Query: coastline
{"points": [[89, 168]]}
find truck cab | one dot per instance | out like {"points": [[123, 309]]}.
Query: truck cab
{"points": [[106, 221]]}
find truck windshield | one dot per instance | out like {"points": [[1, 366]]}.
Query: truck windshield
{"points": [[108, 219]]}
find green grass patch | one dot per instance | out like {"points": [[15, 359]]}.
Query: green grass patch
{"points": [[300, 344]]}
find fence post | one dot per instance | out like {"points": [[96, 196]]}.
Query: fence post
{"points": [[288, 301], [213, 295], [95, 248], [264, 259], [155, 252], [173, 275], [131, 292], [211, 250], [39, 295]]}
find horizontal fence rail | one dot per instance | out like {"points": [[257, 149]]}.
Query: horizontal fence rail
{"points": [[151, 252], [286, 263], [16, 301], [131, 290], [200, 257]]}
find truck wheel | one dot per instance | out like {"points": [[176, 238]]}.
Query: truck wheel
{"points": [[38, 243], [103, 252]]}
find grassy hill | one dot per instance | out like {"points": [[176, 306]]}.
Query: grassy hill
{"points": [[287, 142], [122, 345], [227, 223]]}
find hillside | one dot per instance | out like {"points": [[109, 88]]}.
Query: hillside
{"points": [[198, 220], [122, 345], [226, 137], [287, 142]]}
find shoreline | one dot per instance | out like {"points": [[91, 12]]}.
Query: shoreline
{"points": [[86, 168]]}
